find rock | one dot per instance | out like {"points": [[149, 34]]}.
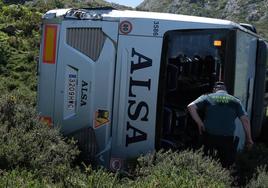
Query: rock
{"points": [[253, 16], [255, 12]]}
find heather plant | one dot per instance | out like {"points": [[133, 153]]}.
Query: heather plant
{"points": [[27, 143], [33, 154], [183, 169], [91, 178], [248, 162], [19, 46], [260, 179], [22, 179]]}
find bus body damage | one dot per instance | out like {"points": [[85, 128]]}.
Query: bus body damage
{"points": [[119, 81]]}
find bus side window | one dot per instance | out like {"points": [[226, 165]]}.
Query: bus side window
{"points": [[172, 77]]}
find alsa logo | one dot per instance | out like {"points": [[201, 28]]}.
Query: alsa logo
{"points": [[84, 90], [138, 110]]}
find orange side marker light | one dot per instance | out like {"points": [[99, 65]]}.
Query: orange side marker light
{"points": [[50, 43]]}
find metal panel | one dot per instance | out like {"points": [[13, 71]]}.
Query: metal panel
{"points": [[88, 41], [46, 82], [87, 143], [135, 101], [245, 69], [84, 87], [259, 90], [246, 48]]}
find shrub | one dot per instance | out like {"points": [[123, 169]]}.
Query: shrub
{"points": [[184, 169], [27, 143], [91, 178], [19, 46], [96, 178], [23, 179], [260, 179], [4, 49], [248, 162]]}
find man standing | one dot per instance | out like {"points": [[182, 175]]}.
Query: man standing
{"points": [[221, 110]]}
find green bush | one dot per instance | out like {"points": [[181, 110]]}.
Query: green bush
{"points": [[91, 178], [248, 162], [4, 50], [184, 169], [27, 143], [19, 46], [22, 179], [260, 179]]}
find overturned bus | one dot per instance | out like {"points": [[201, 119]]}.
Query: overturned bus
{"points": [[120, 81]]}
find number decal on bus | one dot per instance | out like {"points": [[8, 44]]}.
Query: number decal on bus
{"points": [[156, 28], [71, 91]]}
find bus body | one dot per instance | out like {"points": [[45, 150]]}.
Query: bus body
{"points": [[120, 81]]}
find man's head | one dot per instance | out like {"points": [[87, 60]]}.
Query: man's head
{"points": [[219, 86]]}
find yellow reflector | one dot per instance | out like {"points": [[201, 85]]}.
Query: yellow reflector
{"points": [[217, 43], [49, 48]]}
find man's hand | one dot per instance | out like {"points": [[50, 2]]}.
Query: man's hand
{"points": [[201, 128], [192, 108], [246, 124], [249, 144]]}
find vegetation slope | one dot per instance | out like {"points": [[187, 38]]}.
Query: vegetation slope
{"points": [[242, 11], [33, 155]]}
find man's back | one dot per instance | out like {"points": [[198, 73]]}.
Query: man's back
{"points": [[221, 110]]}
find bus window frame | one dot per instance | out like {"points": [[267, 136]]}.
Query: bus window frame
{"points": [[229, 62]]}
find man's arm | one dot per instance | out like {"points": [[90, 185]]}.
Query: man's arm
{"points": [[246, 124], [192, 108]]}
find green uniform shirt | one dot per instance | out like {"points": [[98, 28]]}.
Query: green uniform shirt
{"points": [[221, 110]]}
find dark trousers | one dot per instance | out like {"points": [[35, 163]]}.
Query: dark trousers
{"points": [[222, 147]]}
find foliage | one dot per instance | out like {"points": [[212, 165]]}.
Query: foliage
{"points": [[186, 169], [247, 11], [34, 155], [90, 178], [23, 179], [248, 162], [27, 143], [44, 6], [183, 169], [260, 179], [19, 46]]}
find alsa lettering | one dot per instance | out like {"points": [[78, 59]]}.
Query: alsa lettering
{"points": [[137, 109], [84, 93]]}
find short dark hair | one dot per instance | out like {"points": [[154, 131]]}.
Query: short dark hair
{"points": [[219, 85]]}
